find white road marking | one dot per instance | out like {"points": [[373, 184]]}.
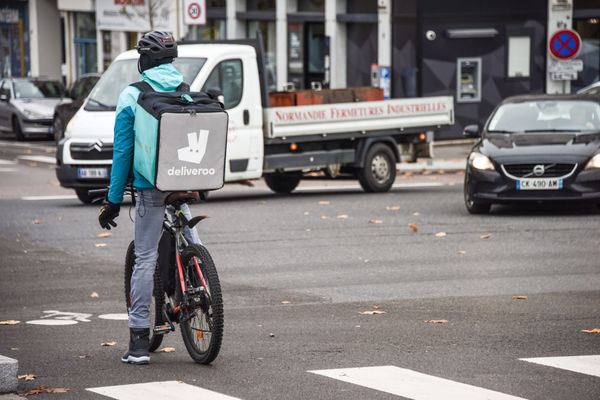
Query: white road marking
{"points": [[40, 159], [7, 162], [357, 187], [52, 322], [8, 170], [114, 317], [169, 390], [411, 384], [57, 197], [589, 365]]}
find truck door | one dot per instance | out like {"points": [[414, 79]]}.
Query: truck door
{"points": [[245, 141]]}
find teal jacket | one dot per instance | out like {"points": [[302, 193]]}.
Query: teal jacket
{"points": [[163, 78]]}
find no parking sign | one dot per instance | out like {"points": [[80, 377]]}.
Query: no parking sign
{"points": [[564, 44], [194, 12]]}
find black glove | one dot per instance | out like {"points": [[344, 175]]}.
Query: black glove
{"points": [[108, 213]]}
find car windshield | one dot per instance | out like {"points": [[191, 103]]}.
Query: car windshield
{"points": [[105, 94], [38, 89], [546, 116]]}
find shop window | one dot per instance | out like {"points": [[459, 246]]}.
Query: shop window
{"points": [[267, 31], [227, 77], [361, 7], [85, 43], [260, 5], [589, 30], [213, 30], [311, 6], [468, 80], [519, 57]]}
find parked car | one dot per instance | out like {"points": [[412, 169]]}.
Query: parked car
{"points": [[594, 89], [27, 105], [78, 92], [535, 148]]}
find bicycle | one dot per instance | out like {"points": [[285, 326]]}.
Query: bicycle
{"points": [[187, 290]]}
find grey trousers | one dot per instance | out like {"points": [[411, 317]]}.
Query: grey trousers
{"points": [[149, 215]]}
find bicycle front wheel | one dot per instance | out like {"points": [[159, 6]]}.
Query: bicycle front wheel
{"points": [[158, 297], [202, 327]]}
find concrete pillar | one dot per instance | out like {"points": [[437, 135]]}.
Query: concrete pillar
{"points": [[44, 38], [281, 44], [235, 29], [560, 16], [336, 32]]}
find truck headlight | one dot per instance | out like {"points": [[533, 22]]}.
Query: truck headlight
{"points": [[594, 162], [481, 162]]}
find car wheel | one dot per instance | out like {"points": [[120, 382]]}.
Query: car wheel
{"points": [[58, 126], [474, 207], [16, 128]]}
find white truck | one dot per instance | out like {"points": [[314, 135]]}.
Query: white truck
{"points": [[356, 140]]}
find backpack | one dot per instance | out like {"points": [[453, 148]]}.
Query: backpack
{"points": [[180, 139]]}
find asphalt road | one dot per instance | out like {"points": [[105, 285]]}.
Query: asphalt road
{"points": [[297, 271]]}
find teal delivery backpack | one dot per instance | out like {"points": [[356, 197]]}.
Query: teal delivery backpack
{"points": [[180, 139]]}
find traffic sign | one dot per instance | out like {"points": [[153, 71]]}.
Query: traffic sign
{"points": [[564, 44], [565, 66], [194, 12]]}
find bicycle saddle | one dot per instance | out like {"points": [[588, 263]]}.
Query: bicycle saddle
{"points": [[183, 197]]}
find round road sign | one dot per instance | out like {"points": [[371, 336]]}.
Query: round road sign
{"points": [[564, 44], [194, 10]]}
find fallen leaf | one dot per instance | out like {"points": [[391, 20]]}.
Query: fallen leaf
{"points": [[441, 234], [271, 335], [308, 230], [416, 214], [324, 202], [342, 216], [462, 252], [324, 217], [426, 172], [14, 348], [408, 174], [375, 221], [306, 213], [108, 344], [413, 227], [441, 172], [392, 208], [36, 221], [485, 236], [94, 295], [82, 357], [373, 312], [101, 245], [436, 321], [166, 350], [10, 322], [519, 297], [595, 330], [104, 235], [27, 377], [285, 302], [45, 389]]}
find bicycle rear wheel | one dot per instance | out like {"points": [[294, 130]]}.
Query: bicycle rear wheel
{"points": [[202, 327], [156, 317]]}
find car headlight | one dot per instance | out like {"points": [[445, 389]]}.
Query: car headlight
{"points": [[32, 114], [481, 162], [594, 162]]}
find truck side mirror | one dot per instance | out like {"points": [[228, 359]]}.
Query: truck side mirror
{"points": [[3, 97], [471, 131]]}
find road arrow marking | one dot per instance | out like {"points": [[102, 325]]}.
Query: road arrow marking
{"points": [[589, 365], [411, 384], [169, 390]]}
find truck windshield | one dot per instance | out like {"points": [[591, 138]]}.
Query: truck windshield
{"points": [[121, 73], [546, 116]]}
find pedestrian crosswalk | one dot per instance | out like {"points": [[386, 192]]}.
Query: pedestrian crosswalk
{"points": [[390, 379]]}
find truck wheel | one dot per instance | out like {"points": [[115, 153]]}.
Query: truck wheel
{"points": [[282, 183], [84, 197], [379, 171]]}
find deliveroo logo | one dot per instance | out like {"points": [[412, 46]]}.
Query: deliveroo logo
{"points": [[196, 149]]}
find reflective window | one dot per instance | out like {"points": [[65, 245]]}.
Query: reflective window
{"points": [[228, 78], [38, 89]]}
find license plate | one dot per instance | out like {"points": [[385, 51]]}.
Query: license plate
{"points": [[540, 184], [92, 173]]}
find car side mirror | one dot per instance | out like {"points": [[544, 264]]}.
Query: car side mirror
{"points": [[471, 131]]}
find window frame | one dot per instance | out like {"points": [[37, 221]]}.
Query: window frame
{"points": [[218, 65]]}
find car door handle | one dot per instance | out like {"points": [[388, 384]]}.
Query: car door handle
{"points": [[246, 117]]}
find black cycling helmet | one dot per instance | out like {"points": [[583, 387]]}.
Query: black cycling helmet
{"points": [[157, 45]]}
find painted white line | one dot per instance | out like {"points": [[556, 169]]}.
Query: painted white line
{"points": [[58, 197], [7, 162], [411, 384], [169, 390], [114, 317], [589, 365], [52, 322], [8, 170], [40, 159], [357, 187]]}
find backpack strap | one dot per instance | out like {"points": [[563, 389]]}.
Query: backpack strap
{"points": [[183, 87], [142, 86]]}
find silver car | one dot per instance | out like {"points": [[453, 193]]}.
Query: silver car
{"points": [[27, 105]]}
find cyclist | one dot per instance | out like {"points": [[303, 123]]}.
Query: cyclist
{"points": [[157, 51]]}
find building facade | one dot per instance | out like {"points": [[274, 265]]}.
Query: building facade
{"points": [[479, 51]]}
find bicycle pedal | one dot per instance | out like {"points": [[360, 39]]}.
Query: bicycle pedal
{"points": [[163, 329]]}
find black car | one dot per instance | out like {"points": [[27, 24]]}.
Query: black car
{"points": [[535, 148], [78, 92]]}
